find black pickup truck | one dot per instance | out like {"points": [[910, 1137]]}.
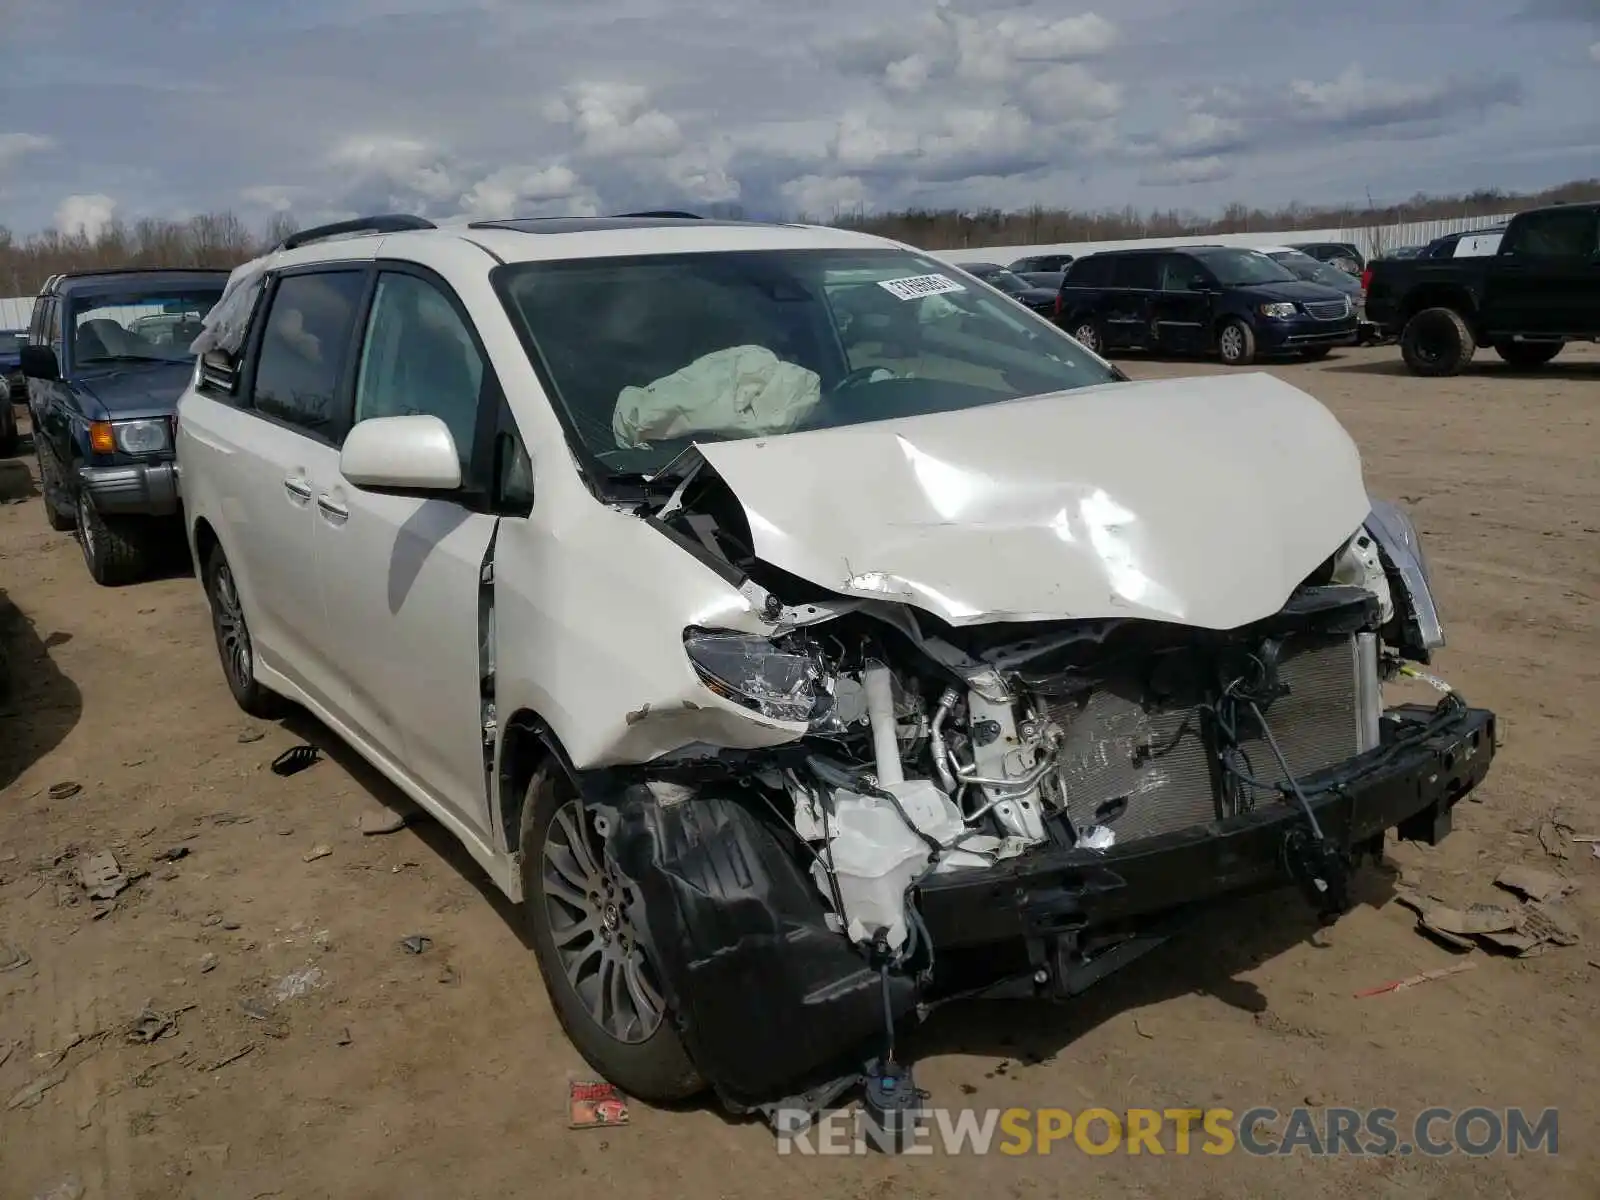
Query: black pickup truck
{"points": [[1538, 291]]}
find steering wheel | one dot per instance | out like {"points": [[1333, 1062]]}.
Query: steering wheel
{"points": [[854, 379]]}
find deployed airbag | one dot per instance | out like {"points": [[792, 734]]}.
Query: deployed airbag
{"points": [[740, 391]]}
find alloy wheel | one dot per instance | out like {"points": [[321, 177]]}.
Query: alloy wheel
{"points": [[1231, 343], [587, 906], [232, 634], [1085, 336]]}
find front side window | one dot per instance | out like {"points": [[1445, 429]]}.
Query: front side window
{"points": [[1554, 235], [303, 347], [1241, 268], [647, 355], [419, 358], [150, 324]]}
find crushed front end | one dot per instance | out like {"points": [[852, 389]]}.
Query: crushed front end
{"points": [[1011, 807]]}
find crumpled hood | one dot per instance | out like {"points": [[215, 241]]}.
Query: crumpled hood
{"points": [[1201, 501], [137, 390]]}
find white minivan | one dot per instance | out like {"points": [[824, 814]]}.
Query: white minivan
{"points": [[805, 634]]}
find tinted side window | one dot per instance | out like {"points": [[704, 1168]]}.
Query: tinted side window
{"points": [[1138, 271], [1178, 273], [1089, 272], [1553, 235], [303, 348], [420, 358]]}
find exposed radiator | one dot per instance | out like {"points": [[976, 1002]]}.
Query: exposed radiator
{"points": [[1144, 771]]}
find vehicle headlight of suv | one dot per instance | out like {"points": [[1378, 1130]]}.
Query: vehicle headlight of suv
{"points": [[1401, 546], [141, 437], [781, 680], [1278, 312]]}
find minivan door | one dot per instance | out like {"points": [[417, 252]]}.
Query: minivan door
{"points": [[1130, 302], [1180, 309]]}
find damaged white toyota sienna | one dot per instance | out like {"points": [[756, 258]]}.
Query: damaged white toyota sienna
{"points": [[803, 632]]}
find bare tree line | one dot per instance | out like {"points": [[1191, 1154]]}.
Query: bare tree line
{"points": [[224, 240]]}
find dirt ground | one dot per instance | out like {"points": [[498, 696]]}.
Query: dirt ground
{"points": [[312, 1056]]}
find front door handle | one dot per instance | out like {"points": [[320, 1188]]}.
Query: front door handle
{"points": [[337, 513], [297, 488]]}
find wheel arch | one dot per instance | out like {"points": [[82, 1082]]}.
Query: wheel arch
{"points": [[526, 745]]}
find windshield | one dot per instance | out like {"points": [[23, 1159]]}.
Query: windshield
{"points": [[1234, 268], [146, 325], [1005, 280], [647, 355], [12, 341], [1305, 267]]}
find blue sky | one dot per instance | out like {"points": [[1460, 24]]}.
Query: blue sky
{"points": [[449, 107]]}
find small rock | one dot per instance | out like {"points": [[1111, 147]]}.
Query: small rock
{"points": [[316, 852], [12, 958], [377, 821], [169, 874], [285, 830], [230, 925], [208, 963], [448, 975], [65, 790], [174, 854], [246, 736], [415, 944], [344, 1038], [212, 919]]}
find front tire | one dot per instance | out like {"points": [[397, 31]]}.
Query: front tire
{"points": [[50, 488], [1527, 355], [116, 550], [1236, 343], [234, 646], [580, 914], [1436, 342]]}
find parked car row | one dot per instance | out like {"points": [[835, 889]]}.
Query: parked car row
{"points": [[757, 604]]}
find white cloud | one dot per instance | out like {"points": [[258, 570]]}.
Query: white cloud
{"points": [[1202, 133], [523, 191], [19, 145], [1594, 52], [1185, 171], [85, 216], [1069, 92], [1353, 99], [615, 120], [820, 197]]}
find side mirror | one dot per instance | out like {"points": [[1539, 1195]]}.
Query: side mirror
{"points": [[39, 362], [401, 454]]}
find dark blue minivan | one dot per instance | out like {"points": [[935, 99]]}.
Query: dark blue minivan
{"points": [[1236, 304]]}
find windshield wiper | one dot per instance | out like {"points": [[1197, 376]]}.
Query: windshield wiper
{"points": [[124, 358]]}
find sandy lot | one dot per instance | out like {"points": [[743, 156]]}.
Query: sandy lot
{"points": [[311, 1056]]}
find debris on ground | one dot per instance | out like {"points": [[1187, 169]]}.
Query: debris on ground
{"points": [[1534, 884], [296, 759], [274, 1026], [208, 963], [321, 850], [448, 975], [229, 1058], [102, 876], [1552, 833], [31, 1093], [12, 958], [378, 821], [593, 1103], [153, 1024], [230, 819], [68, 1189], [173, 854], [296, 984], [65, 790], [1411, 981], [416, 943], [344, 1038], [246, 736]]}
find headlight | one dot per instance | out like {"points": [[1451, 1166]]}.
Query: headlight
{"points": [[783, 683], [1277, 312], [140, 437], [1397, 536]]}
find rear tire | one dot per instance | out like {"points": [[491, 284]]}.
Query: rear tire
{"points": [[1236, 343], [590, 927], [1087, 333], [1436, 342], [234, 646], [1527, 355], [115, 549]]}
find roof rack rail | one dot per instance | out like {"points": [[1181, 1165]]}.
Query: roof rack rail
{"points": [[383, 223], [662, 214]]}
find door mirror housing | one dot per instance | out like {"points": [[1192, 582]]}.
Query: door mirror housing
{"points": [[401, 454], [39, 362]]}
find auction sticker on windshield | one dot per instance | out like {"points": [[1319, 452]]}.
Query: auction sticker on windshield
{"points": [[915, 287]]}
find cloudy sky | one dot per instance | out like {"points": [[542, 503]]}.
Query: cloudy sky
{"points": [[443, 107]]}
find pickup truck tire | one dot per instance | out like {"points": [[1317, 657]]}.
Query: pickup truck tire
{"points": [[50, 489], [234, 646], [1236, 343], [1436, 342], [585, 934], [116, 550], [1527, 355]]}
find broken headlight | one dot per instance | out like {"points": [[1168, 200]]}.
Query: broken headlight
{"points": [[785, 682], [1397, 537]]}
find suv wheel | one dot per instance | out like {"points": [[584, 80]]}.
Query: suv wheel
{"points": [[1436, 342], [1086, 332], [581, 915], [50, 488], [1527, 355], [234, 646], [1236, 343], [117, 551]]}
